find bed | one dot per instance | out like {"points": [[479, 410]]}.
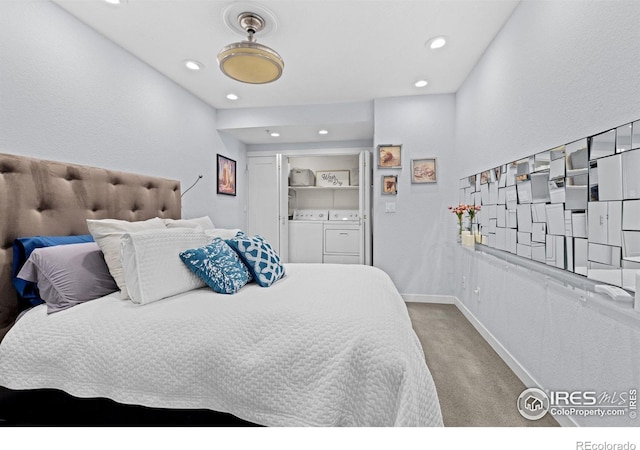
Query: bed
{"points": [[326, 345]]}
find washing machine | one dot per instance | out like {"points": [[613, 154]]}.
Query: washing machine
{"points": [[342, 237], [306, 240]]}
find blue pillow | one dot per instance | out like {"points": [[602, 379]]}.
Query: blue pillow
{"points": [[218, 266], [260, 258], [22, 248]]}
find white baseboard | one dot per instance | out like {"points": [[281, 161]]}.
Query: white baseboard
{"points": [[419, 298], [514, 365]]}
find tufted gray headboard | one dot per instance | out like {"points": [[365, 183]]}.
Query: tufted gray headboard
{"points": [[48, 198]]}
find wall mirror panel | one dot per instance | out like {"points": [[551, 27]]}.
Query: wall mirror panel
{"points": [[575, 206], [502, 181], [579, 224], [557, 152], [631, 215], [557, 191], [630, 174], [512, 170], [580, 261], [540, 187], [556, 168], [577, 156], [603, 144], [623, 138], [539, 213], [511, 196], [555, 219], [635, 134], [524, 191], [609, 178], [631, 246], [542, 161]]}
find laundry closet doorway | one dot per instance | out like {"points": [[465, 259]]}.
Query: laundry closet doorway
{"points": [[312, 206]]}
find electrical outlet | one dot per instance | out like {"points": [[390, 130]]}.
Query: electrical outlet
{"points": [[390, 207]]}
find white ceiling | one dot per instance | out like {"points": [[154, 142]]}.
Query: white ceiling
{"points": [[334, 51]]}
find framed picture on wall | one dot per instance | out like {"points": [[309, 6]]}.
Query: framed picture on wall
{"points": [[389, 184], [424, 171], [389, 156], [226, 170]]}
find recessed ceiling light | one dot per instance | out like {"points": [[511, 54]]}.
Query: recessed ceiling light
{"points": [[436, 42], [420, 83], [275, 134], [193, 65], [232, 96], [113, 2], [323, 132]]}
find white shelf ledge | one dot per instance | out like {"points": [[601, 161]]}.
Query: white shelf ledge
{"points": [[303, 188]]}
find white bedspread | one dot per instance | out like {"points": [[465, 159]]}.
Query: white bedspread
{"points": [[328, 345]]}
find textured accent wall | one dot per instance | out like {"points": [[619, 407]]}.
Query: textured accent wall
{"points": [[557, 72]]}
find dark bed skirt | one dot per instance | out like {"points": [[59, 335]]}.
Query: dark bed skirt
{"points": [[50, 407]]}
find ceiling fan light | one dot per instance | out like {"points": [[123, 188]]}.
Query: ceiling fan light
{"points": [[250, 62]]}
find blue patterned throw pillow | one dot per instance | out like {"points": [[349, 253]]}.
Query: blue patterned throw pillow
{"points": [[260, 258], [218, 266]]}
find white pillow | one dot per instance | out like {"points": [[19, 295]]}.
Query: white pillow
{"points": [[107, 234], [200, 222], [222, 233], [152, 266]]}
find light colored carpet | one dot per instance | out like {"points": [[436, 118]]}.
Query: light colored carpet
{"points": [[475, 386]]}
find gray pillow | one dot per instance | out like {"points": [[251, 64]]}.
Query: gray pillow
{"points": [[68, 275]]}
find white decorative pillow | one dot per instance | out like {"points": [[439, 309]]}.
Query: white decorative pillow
{"points": [[200, 222], [152, 266], [222, 233], [107, 234]]}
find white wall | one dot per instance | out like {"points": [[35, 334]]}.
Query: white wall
{"points": [[411, 244], [69, 94], [563, 337], [558, 71]]}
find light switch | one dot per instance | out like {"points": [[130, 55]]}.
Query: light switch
{"points": [[390, 207]]}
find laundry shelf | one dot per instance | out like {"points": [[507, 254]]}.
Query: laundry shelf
{"points": [[327, 188]]}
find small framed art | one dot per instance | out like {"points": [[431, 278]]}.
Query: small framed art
{"points": [[424, 170], [389, 184], [390, 156], [226, 169]]}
